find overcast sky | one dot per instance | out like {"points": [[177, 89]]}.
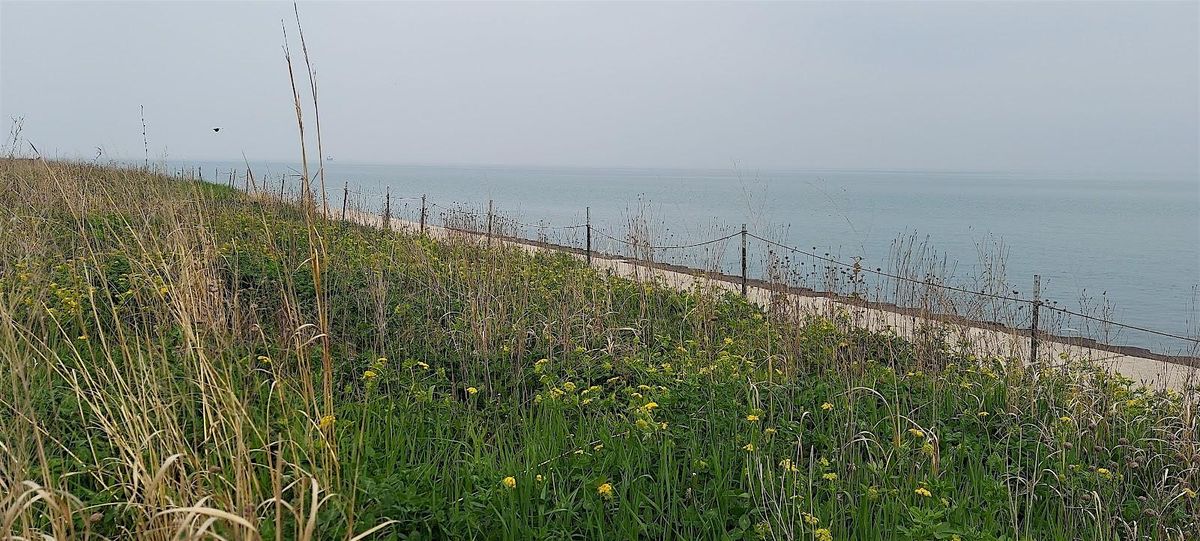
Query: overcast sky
{"points": [[1000, 86]]}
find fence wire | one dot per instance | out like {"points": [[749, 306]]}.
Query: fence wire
{"points": [[857, 266]]}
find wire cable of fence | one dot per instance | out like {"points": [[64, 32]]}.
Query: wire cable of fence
{"points": [[890, 275], [507, 221], [542, 226], [1125, 325], [651, 247], [985, 294], [855, 266]]}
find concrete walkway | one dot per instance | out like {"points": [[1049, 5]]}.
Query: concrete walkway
{"points": [[1154, 373]]}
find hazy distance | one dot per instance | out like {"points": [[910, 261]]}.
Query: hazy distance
{"points": [[1079, 87]]}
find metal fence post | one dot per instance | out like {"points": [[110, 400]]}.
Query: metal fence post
{"points": [[489, 223], [282, 181], [345, 199], [1033, 325], [588, 221], [387, 209], [743, 260], [423, 211]]}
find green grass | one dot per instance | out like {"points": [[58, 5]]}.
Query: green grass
{"points": [[161, 350]]}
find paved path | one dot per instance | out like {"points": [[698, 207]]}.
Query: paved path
{"points": [[1153, 373]]}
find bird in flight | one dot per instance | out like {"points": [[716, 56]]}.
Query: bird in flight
{"points": [[215, 130]]}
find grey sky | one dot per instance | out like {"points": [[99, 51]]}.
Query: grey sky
{"points": [[1015, 86]]}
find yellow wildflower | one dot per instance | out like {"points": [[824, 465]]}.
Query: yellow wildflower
{"points": [[423, 365], [472, 391], [983, 414], [823, 534], [1104, 472], [916, 432], [649, 407], [539, 478], [769, 431], [605, 491], [811, 520], [749, 447], [369, 374], [327, 421], [569, 386], [264, 359], [510, 482], [1191, 494], [924, 492], [788, 466], [830, 476], [1064, 419], [752, 418], [728, 341], [827, 406], [598, 447]]}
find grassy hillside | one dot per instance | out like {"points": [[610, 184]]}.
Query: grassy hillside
{"points": [[181, 361]]}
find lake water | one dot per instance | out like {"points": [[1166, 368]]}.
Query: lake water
{"points": [[1131, 241]]}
